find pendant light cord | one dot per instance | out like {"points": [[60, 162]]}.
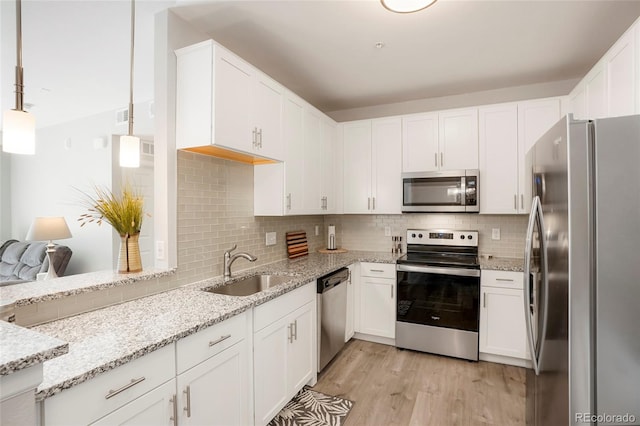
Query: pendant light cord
{"points": [[19, 72], [133, 25]]}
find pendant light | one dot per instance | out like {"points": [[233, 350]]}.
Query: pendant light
{"points": [[19, 126], [406, 6], [129, 144]]}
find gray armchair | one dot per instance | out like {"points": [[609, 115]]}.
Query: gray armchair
{"points": [[22, 261]]}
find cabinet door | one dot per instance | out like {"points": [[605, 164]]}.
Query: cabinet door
{"points": [[301, 356], [270, 348], [329, 168], [534, 119], [268, 102], [294, 155], [313, 162], [357, 166], [216, 392], [378, 307], [350, 326], [502, 327], [596, 85], [622, 76], [420, 143], [153, 408], [499, 159], [458, 139], [232, 108], [578, 102], [386, 181]]}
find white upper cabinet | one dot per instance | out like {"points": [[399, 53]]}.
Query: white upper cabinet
{"points": [[224, 102], [612, 87], [507, 132], [458, 131], [445, 140], [329, 172], [372, 166], [420, 143], [498, 136]]}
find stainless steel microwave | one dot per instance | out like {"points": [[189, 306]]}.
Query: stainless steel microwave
{"points": [[439, 192]]}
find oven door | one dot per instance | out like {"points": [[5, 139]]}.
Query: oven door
{"points": [[439, 296]]}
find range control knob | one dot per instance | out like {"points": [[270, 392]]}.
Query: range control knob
{"points": [[413, 235], [419, 235], [462, 237], [470, 237]]}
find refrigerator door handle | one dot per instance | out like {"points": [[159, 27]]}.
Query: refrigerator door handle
{"points": [[527, 283]]}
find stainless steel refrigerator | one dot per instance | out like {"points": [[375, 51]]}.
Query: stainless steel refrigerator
{"points": [[582, 274]]}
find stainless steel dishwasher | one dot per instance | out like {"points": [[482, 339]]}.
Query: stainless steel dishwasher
{"points": [[332, 315]]}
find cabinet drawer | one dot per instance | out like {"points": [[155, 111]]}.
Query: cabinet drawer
{"points": [[382, 270], [275, 309], [88, 401], [503, 279], [206, 343]]}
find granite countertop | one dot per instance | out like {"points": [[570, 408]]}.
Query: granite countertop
{"points": [[502, 264], [106, 338], [28, 348], [33, 292]]}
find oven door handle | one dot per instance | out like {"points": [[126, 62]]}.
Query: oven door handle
{"points": [[462, 272]]}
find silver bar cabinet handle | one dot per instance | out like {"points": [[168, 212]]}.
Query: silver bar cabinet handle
{"points": [[484, 300], [435, 155], [221, 339], [392, 291], [254, 136], [131, 384], [441, 159], [289, 201], [376, 270], [504, 279], [522, 201], [374, 203], [174, 401], [290, 328], [295, 329], [188, 407], [515, 201], [368, 203]]}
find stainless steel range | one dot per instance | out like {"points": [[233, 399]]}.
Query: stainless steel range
{"points": [[438, 303]]}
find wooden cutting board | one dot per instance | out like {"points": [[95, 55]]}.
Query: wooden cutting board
{"points": [[297, 244]]}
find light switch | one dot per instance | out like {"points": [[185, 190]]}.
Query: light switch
{"points": [[495, 233], [160, 250], [270, 238]]}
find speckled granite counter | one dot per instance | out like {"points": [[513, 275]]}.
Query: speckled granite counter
{"points": [[25, 348], [502, 264], [34, 292], [104, 339]]}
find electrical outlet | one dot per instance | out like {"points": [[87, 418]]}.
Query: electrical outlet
{"points": [[317, 230], [270, 238], [495, 233], [160, 250], [387, 231]]}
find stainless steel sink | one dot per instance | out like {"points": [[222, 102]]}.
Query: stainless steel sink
{"points": [[250, 285]]}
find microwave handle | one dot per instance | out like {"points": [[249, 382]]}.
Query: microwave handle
{"points": [[463, 190]]}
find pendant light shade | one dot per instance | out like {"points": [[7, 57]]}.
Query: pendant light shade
{"points": [[129, 151], [406, 6], [18, 126], [18, 132], [129, 144]]}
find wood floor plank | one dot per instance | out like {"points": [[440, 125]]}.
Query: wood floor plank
{"points": [[395, 387]]}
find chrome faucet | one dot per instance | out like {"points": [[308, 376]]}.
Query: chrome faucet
{"points": [[228, 260]]}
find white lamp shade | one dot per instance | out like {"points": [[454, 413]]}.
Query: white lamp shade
{"points": [[48, 228], [18, 132], [129, 151], [406, 6]]}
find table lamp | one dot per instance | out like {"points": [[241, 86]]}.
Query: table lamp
{"points": [[49, 229]]}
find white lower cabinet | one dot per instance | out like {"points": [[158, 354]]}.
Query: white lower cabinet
{"points": [[284, 350], [214, 371], [502, 318], [152, 408], [104, 394], [377, 299]]}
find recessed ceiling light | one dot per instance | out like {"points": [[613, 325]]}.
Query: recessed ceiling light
{"points": [[379, 45], [406, 6]]}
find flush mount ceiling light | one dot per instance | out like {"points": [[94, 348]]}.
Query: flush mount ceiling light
{"points": [[19, 126], [129, 144], [406, 6]]}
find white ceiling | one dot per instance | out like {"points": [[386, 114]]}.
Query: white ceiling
{"points": [[76, 53]]}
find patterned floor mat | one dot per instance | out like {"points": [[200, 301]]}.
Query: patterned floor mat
{"points": [[311, 408]]}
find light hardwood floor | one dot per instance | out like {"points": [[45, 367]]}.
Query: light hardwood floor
{"points": [[392, 386]]}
